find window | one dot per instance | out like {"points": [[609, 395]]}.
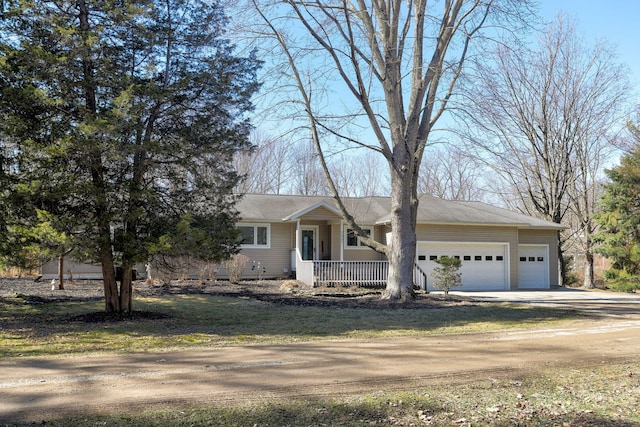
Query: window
{"points": [[352, 241], [467, 257], [488, 258], [477, 258], [254, 235], [523, 258], [499, 258], [433, 257]]}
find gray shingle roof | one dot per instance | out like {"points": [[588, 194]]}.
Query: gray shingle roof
{"points": [[376, 210]]}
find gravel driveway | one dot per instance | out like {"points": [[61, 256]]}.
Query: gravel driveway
{"points": [[34, 389], [595, 302]]}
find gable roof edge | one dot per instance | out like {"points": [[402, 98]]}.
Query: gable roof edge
{"points": [[302, 212]]}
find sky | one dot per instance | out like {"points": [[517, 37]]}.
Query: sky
{"points": [[613, 20]]}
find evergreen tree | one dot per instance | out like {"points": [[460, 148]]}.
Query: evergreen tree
{"points": [[123, 117], [619, 220], [447, 274]]}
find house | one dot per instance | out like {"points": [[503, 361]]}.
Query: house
{"points": [[305, 237]]}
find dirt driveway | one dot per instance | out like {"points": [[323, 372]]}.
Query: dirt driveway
{"points": [[34, 389], [595, 302]]}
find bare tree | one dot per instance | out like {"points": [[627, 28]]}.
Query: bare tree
{"points": [[265, 168], [546, 121], [275, 166], [452, 175], [307, 177], [360, 174], [379, 75]]}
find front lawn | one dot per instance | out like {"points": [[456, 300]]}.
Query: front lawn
{"points": [[36, 326]]}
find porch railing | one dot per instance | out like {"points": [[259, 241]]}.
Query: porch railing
{"points": [[419, 277], [371, 274]]}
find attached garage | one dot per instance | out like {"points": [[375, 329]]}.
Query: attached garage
{"points": [[533, 267], [485, 266]]}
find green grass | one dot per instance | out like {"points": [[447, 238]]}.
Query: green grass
{"points": [[606, 395], [198, 321]]}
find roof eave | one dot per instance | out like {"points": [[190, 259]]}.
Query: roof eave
{"points": [[323, 204], [483, 224], [245, 219], [543, 227]]}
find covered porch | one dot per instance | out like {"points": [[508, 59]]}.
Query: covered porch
{"points": [[327, 253]]}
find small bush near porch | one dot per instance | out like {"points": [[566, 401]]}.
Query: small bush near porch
{"points": [[447, 274]]}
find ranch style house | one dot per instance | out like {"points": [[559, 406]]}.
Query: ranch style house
{"points": [[305, 237]]}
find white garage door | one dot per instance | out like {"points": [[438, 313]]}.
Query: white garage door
{"points": [[484, 265], [533, 267]]}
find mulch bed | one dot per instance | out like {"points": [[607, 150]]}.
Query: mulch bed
{"points": [[278, 292]]}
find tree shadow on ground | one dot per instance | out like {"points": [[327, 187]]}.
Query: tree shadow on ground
{"points": [[195, 314], [342, 412]]}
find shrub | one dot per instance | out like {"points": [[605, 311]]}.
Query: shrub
{"points": [[572, 280], [630, 286], [621, 280], [235, 266], [208, 271], [291, 285], [165, 269], [447, 274]]}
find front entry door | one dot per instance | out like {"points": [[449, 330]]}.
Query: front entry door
{"points": [[308, 244]]}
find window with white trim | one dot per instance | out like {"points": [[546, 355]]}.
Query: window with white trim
{"points": [[254, 235], [352, 241]]}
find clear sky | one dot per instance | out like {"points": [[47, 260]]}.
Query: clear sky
{"points": [[616, 21]]}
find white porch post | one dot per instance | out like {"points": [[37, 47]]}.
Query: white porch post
{"points": [[298, 241], [304, 269], [341, 241]]}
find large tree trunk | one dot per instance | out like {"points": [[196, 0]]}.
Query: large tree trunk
{"points": [[126, 289], [562, 264], [589, 281], [402, 248], [589, 277], [111, 298]]}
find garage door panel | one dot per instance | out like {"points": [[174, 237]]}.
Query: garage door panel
{"points": [[484, 266], [533, 267]]}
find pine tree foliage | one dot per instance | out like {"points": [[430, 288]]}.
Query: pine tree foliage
{"points": [[619, 221], [122, 119], [447, 274]]}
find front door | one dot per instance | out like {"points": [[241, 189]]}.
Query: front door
{"points": [[308, 244]]}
